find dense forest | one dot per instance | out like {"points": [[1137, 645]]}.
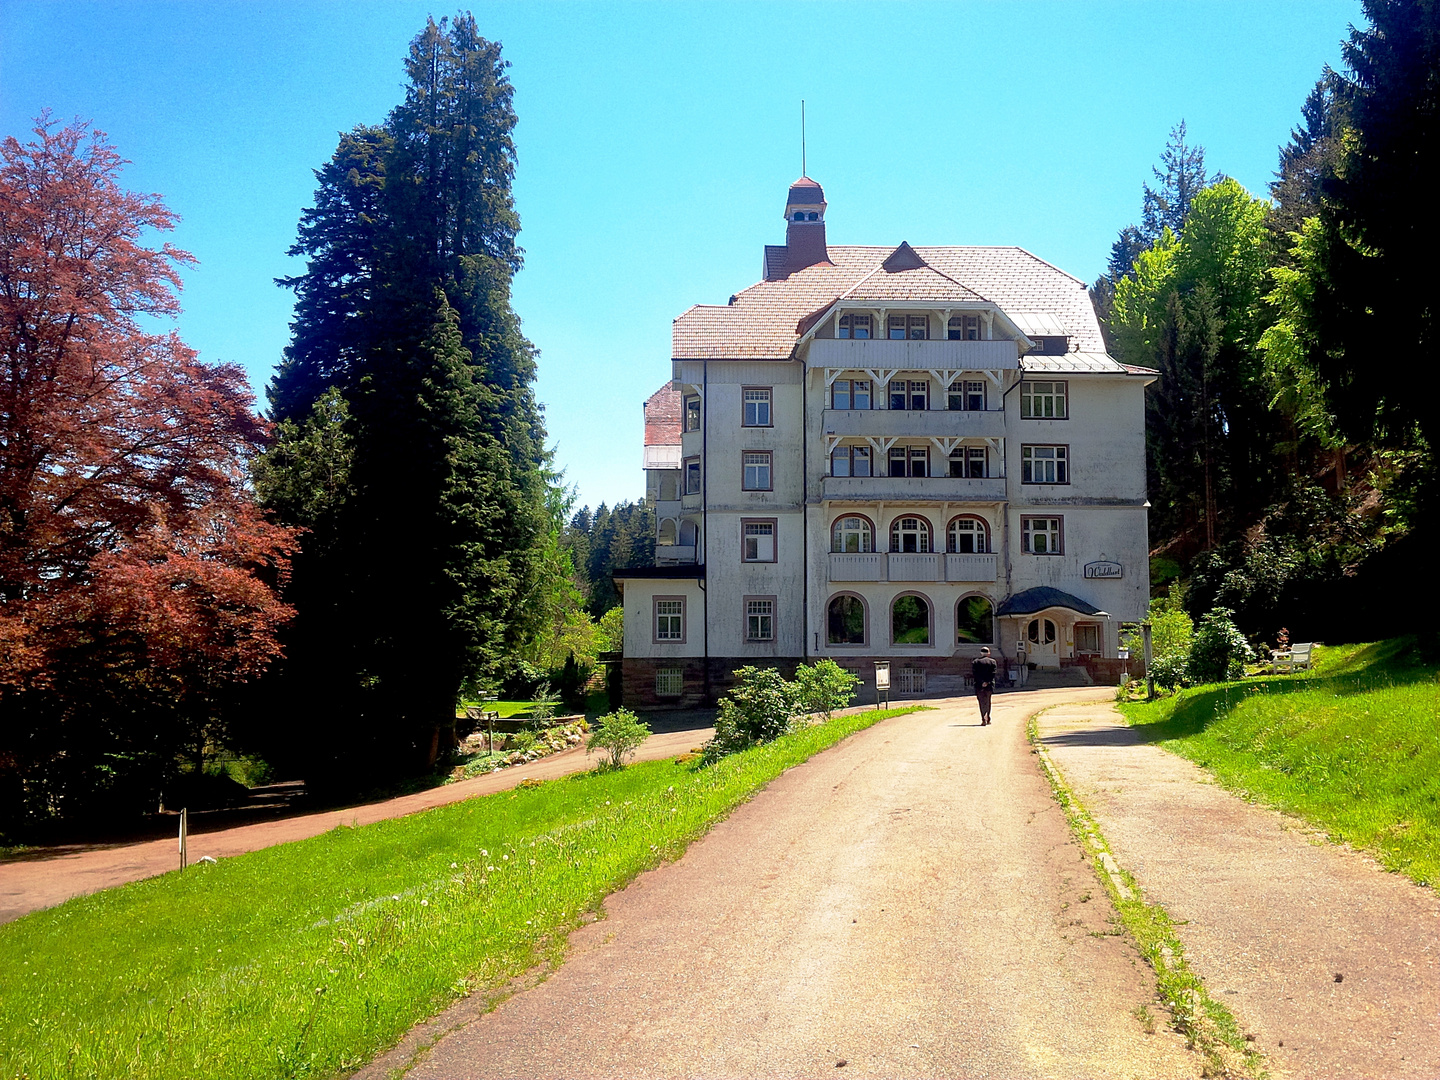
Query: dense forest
{"points": [[1288, 448]]}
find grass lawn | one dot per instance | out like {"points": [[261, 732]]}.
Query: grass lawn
{"points": [[1353, 747], [309, 958]]}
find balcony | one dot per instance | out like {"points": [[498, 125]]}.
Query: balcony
{"points": [[940, 423], [850, 567], [667, 508], [970, 567], [910, 489], [913, 355], [674, 554], [909, 566]]}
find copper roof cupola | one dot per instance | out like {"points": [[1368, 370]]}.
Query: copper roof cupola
{"points": [[804, 231]]}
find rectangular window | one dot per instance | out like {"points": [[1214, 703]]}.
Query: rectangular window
{"points": [[692, 476], [860, 388], [964, 328], [840, 394], [670, 619], [912, 327], [757, 541], [692, 414], [968, 461], [850, 461], [909, 461], [757, 407], [1043, 400], [899, 394], [759, 618], [854, 326], [1087, 638], [968, 395], [757, 470], [1042, 535], [1044, 464], [669, 681], [919, 394]]}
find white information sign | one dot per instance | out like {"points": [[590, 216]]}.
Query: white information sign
{"points": [[882, 674]]}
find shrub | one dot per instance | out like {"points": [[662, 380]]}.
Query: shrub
{"points": [[823, 687], [542, 709], [760, 708], [1219, 651], [1171, 672], [618, 734], [1171, 629]]}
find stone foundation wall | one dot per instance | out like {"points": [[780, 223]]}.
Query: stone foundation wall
{"points": [[1109, 670], [639, 679]]}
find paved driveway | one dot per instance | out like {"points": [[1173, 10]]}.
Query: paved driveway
{"points": [[908, 903]]}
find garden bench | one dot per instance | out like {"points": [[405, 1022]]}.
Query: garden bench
{"points": [[1295, 658]]}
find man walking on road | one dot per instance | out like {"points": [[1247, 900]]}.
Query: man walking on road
{"points": [[982, 672]]}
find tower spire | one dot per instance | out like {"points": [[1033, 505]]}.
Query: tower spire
{"points": [[803, 170]]}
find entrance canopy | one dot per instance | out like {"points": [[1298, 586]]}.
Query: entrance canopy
{"points": [[1030, 601]]}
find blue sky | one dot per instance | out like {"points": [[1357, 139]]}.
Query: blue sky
{"points": [[656, 142]]}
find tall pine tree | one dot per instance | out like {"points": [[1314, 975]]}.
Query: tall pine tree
{"points": [[431, 553]]}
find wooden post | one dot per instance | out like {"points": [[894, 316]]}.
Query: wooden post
{"points": [[1149, 678], [183, 830]]}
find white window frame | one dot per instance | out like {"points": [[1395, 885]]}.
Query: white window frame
{"points": [[757, 406], [670, 631], [1050, 403], [692, 412], [978, 527], [1049, 526], [864, 535], [759, 619], [921, 531], [669, 682], [761, 468], [854, 326], [1045, 463], [758, 540]]}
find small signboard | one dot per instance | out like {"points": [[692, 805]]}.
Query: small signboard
{"points": [[882, 674], [1104, 570]]}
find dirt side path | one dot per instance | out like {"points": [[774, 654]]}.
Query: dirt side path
{"points": [[907, 903], [1274, 913], [31, 884]]}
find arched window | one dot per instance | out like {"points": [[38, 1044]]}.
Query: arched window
{"points": [[967, 536], [846, 620], [910, 534], [689, 534], [852, 534], [974, 621], [910, 620], [667, 533]]}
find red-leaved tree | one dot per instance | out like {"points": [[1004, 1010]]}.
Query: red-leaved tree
{"points": [[138, 581]]}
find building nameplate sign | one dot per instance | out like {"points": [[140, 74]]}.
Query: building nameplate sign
{"points": [[1104, 570]]}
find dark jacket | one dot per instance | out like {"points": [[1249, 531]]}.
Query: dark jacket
{"points": [[983, 672]]}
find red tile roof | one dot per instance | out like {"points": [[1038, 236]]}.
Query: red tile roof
{"points": [[662, 416], [763, 322]]}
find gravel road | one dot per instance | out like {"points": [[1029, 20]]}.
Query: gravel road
{"points": [[908, 903]]}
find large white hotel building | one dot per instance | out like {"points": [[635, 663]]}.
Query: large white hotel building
{"points": [[899, 453]]}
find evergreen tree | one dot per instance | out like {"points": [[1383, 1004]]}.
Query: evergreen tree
{"points": [[1373, 297], [431, 557], [1184, 177]]}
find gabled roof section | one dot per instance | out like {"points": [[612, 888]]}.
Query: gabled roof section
{"points": [[902, 258], [762, 323]]}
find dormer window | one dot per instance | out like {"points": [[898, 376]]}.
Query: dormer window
{"points": [[854, 326], [964, 328], [1049, 345]]}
